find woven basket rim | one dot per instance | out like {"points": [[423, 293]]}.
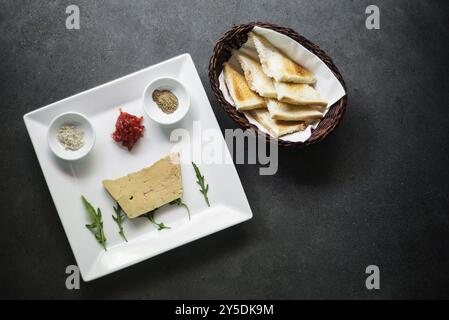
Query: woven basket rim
{"points": [[233, 39]]}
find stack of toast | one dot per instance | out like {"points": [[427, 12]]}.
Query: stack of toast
{"points": [[277, 92]]}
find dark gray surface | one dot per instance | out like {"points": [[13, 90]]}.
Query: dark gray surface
{"points": [[375, 192]]}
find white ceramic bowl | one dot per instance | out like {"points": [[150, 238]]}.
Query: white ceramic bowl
{"points": [[71, 118], [154, 112]]}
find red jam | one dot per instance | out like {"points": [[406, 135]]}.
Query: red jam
{"points": [[128, 129]]}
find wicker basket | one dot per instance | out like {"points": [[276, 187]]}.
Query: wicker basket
{"points": [[234, 39]]}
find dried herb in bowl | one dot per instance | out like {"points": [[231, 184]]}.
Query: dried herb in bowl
{"points": [[166, 100]]}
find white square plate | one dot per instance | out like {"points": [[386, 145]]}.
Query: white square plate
{"points": [[67, 181]]}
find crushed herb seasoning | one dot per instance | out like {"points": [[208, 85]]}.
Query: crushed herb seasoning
{"points": [[165, 100]]}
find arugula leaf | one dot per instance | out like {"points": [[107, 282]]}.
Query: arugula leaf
{"points": [[96, 227], [178, 202], [200, 180], [150, 217], [118, 218]]}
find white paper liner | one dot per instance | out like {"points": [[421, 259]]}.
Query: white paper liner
{"points": [[327, 84]]}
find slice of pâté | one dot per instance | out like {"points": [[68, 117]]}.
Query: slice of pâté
{"points": [[148, 189]]}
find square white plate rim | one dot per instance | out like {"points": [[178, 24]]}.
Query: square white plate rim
{"points": [[97, 270]]}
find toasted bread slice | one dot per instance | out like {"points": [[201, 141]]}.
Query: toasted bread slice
{"points": [[299, 94], [276, 64], [276, 128], [243, 97], [289, 112], [256, 78]]}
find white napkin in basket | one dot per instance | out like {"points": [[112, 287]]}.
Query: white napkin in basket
{"points": [[327, 84]]}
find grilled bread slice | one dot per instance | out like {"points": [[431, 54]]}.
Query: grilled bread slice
{"points": [[299, 94], [238, 88], [289, 112], [256, 78], [276, 128], [276, 65]]}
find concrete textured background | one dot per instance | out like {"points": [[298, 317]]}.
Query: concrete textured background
{"points": [[375, 192]]}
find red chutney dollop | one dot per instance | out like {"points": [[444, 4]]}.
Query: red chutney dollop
{"points": [[128, 129]]}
